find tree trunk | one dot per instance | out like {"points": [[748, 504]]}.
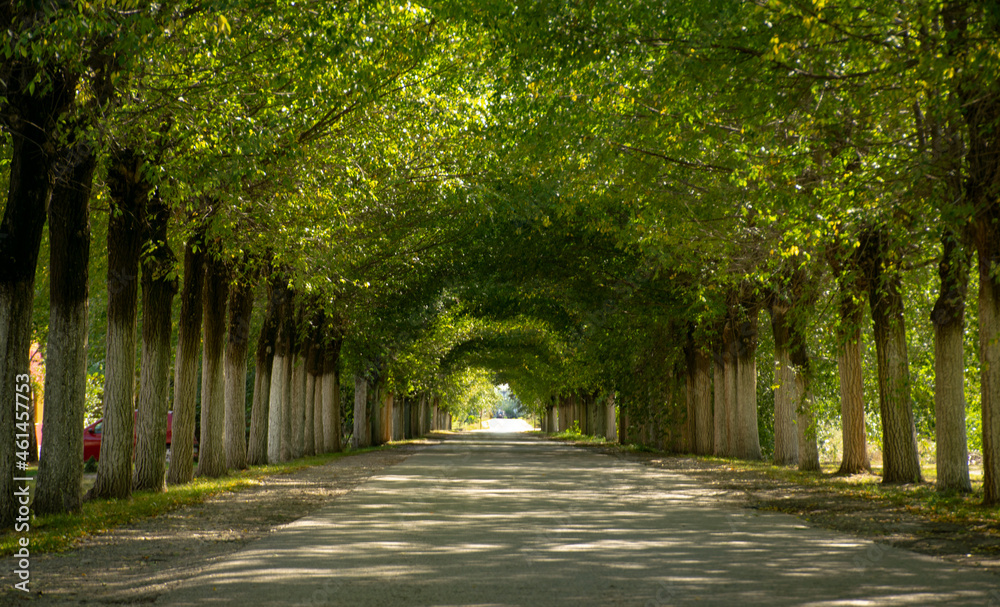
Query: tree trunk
{"points": [[257, 442], [436, 403], [316, 372], [387, 405], [699, 393], [808, 449], [158, 291], [297, 405], [425, 413], [989, 354], [277, 436], [803, 399], [980, 110], [362, 436], [705, 424], [414, 416], [129, 191], [610, 433], [624, 429], [380, 407], [948, 143], [731, 363], [720, 415], [678, 436], [595, 413], [276, 399], [310, 368], [948, 317], [276, 387], [181, 468], [264, 362], [288, 391], [746, 390], [16, 294], [371, 413], [296, 409], [900, 459], [211, 447], [578, 416], [237, 344], [377, 396], [59, 471], [30, 122], [987, 238], [597, 416], [786, 396], [850, 372], [564, 415], [309, 411], [690, 420], [397, 418], [332, 431], [406, 416]]}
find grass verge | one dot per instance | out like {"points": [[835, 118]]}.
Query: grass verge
{"points": [[59, 532], [921, 499], [573, 435]]}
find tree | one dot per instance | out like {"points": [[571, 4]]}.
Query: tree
{"points": [[59, 475], [901, 461], [129, 192], [332, 431], [159, 286], [240, 307], [362, 433], [968, 25], [37, 93], [264, 362], [211, 446], [849, 363], [181, 468], [279, 389]]}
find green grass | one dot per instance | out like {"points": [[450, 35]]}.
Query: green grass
{"points": [[922, 499], [56, 533], [575, 436]]}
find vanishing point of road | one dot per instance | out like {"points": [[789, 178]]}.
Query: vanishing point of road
{"points": [[496, 519]]}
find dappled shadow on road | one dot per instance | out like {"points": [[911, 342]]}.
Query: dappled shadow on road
{"points": [[513, 520]]}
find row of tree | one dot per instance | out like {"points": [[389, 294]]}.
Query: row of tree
{"points": [[261, 141], [804, 159]]}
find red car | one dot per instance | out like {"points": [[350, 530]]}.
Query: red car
{"points": [[92, 436]]}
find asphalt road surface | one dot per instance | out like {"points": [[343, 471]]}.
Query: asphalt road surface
{"points": [[500, 519]]}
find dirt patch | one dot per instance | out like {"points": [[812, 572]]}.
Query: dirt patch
{"points": [[134, 564], [977, 546]]}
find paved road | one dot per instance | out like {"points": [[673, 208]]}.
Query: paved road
{"points": [[494, 519]]}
